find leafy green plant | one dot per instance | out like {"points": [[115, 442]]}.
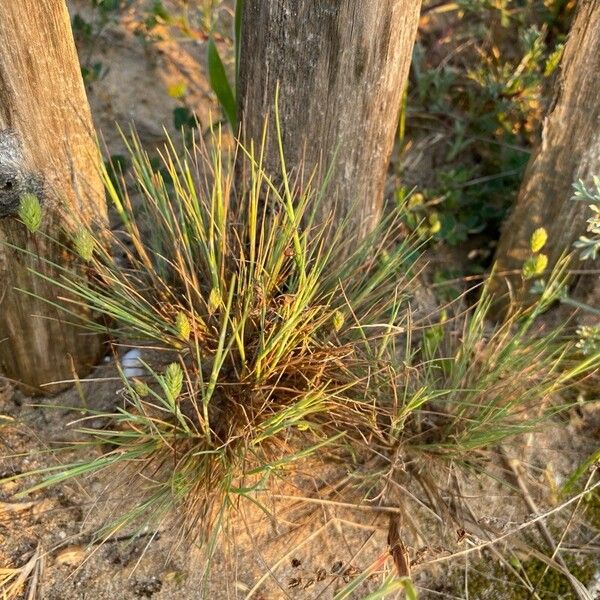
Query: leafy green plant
{"points": [[156, 13], [589, 246], [217, 74], [481, 86], [184, 119], [220, 84]]}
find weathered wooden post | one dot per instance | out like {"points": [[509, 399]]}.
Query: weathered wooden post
{"points": [[47, 148], [341, 67]]}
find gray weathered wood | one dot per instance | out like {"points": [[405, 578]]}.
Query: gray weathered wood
{"points": [[47, 147], [342, 67], [569, 151]]}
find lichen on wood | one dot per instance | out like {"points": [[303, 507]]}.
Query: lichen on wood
{"points": [[15, 179]]}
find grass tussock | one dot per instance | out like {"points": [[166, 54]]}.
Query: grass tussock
{"points": [[267, 338], [485, 383], [263, 329]]}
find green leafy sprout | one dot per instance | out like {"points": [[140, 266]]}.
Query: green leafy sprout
{"points": [[217, 74]]}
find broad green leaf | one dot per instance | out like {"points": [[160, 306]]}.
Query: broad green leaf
{"points": [[220, 84]]}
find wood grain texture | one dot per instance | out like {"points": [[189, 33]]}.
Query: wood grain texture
{"points": [[342, 67], [569, 151], [47, 147]]}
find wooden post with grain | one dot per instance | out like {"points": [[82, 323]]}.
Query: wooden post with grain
{"points": [[342, 67], [569, 151], [47, 148]]}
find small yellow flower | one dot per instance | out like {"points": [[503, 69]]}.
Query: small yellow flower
{"points": [[534, 266], [541, 262], [434, 223], [538, 239]]}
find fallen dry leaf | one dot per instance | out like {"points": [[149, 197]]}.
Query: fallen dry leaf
{"points": [[71, 555]]}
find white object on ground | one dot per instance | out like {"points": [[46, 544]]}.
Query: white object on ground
{"points": [[132, 363]]}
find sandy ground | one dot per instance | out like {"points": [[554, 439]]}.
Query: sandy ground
{"points": [[305, 550], [137, 78]]}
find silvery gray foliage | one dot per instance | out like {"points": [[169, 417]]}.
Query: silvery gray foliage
{"points": [[589, 244], [589, 336], [589, 339]]}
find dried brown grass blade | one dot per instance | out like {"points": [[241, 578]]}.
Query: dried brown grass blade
{"points": [[398, 549]]}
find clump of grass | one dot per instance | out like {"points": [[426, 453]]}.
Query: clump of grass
{"points": [[502, 381], [468, 385], [259, 327], [266, 338]]}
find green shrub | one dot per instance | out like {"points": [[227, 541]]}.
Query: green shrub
{"points": [[481, 78]]}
